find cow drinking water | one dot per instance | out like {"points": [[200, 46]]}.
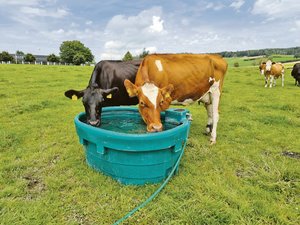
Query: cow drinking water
{"points": [[163, 79], [106, 88]]}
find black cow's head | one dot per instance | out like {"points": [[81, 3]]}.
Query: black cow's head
{"points": [[93, 99]]}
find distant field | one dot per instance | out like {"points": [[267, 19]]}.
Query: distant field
{"points": [[251, 176], [254, 61]]}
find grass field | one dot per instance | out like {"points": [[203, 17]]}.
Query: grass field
{"points": [[251, 176], [255, 61]]}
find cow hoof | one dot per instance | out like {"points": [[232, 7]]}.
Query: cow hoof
{"points": [[212, 142]]}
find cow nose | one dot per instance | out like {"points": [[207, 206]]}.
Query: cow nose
{"points": [[94, 122], [155, 127]]}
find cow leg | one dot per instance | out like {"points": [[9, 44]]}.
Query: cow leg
{"points": [[282, 80], [209, 126], [215, 96], [266, 81], [206, 99], [271, 80]]}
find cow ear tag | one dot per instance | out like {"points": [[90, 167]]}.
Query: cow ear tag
{"points": [[109, 96], [74, 97], [167, 95]]}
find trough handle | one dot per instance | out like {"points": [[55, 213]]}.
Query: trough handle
{"points": [[178, 146], [99, 148]]}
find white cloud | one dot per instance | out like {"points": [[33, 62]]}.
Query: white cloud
{"points": [[276, 9], [74, 25], [133, 33], [157, 24], [89, 22], [19, 2], [113, 45], [215, 6], [40, 12], [237, 4]]}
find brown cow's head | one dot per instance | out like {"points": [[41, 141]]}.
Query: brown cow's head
{"points": [[93, 99], [152, 100], [262, 68]]}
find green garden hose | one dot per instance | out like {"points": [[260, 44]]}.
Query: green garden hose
{"points": [[155, 193]]}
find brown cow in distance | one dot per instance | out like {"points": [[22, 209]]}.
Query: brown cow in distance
{"points": [[272, 71], [163, 79]]}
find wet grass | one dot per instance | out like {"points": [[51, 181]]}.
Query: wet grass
{"points": [[250, 177]]}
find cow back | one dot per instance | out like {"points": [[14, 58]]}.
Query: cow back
{"points": [[190, 74], [112, 73]]}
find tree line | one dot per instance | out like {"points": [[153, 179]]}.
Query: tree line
{"points": [[74, 52], [71, 52], [267, 52]]}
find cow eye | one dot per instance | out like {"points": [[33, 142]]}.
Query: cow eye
{"points": [[161, 102], [142, 104]]}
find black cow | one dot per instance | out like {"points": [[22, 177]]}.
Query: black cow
{"points": [[106, 88], [296, 73]]}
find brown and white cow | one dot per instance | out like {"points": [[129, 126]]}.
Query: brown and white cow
{"points": [[272, 71], [165, 78]]}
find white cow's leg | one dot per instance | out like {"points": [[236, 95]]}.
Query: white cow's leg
{"points": [[215, 95], [266, 81], [209, 110], [282, 80], [206, 100], [271, 80], [274, 82]]}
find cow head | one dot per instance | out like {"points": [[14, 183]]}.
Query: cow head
{"points": [[152, 100], [262, 68], [93, 99], [268, 65]]}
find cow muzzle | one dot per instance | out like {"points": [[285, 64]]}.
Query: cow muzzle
{"points": [[94, 123], [154, 127]]}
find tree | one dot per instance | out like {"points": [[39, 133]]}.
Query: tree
{"points": [[20, 53], [19, 56], [68, 49], [127, 56], [6, 57], [53, 58], [29, 58], [79, 59], [144, 54]]}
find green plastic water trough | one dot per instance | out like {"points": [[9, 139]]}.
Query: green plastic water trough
{"points": [[133, 158]]}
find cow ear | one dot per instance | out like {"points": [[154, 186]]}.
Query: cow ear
{"points": [[130, 88], [74, 95], [107, 93], [166, 91]]}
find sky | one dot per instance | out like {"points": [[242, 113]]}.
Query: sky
{"points": [[111, 28]]}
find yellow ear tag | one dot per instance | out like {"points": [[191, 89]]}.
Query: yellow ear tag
{"points": [[74, 97], [167, 95], [109, 96]]}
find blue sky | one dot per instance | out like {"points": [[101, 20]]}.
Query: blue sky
{"points": [[111, 28]]}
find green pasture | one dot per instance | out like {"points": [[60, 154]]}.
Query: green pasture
{"points": [[251, 176], [255, 61]]}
